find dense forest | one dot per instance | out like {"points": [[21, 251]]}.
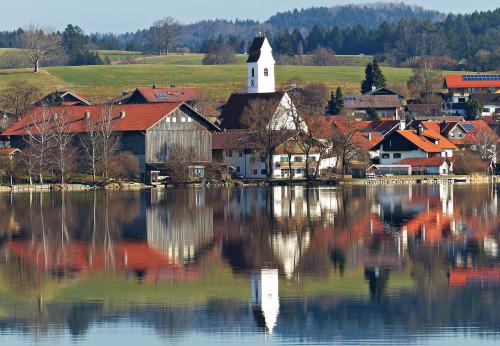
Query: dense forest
{"points": [[397, 34]]}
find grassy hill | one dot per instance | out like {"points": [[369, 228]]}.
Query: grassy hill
{"points": [[107, 81]]}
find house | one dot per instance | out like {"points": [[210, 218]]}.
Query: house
{"points": [[156, 94], [261, 92], [386, 106], [423, 109], [63, 98], [490, 103], [240, 150], [460, 87], [461, 133], [148, 131], [428, 165], [405, 144], [385, 91]]}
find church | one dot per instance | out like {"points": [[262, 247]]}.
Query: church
{"points": [[261, 86]]}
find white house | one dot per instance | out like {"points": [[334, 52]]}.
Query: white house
{"points": [[409, 144]]}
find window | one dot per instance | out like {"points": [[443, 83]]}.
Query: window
{"points": [[254, 172], [252, 83], [284, 159], [174, 119], [240, 153], [486, 110], [229, 153], [396, 156], [167, 119], [190, 120], [262, 159], [183, 119], [238, 169], [385, 156], [253, 73], [266, 72], [263, 171], [297, 159]]}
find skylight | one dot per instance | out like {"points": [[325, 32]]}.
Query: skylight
{"points": [[161, 95]]}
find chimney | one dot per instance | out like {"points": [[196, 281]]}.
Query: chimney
{"points": [[369, 136], [420, 130], [374, 88], [86, 115], [54, 116], [402, 124], [122, 114], [154, 86]]}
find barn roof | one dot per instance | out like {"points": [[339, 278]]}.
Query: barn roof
{"points": [[372, 101], [137, 117], [157, 94]]}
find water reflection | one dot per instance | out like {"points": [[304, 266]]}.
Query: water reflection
{"points": [[358, 264]]}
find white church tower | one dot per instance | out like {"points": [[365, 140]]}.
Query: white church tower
{"points": [[260, 67]]}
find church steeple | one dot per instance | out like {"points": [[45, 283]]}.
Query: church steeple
{"points": [[260, 66]]}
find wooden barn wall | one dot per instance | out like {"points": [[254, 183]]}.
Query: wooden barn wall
{"points": [[187, 134]]}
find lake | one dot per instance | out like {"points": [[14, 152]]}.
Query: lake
{"points": [[402, 264]]}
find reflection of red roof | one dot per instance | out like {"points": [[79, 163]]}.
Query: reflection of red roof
{"points": [[138, 117], [457, 81], [460, 277], [423, 161], [81, 257]]}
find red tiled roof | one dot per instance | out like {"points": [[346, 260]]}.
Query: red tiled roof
{"points": [[423, 161], [372, 101], [452, 81], [424, 142], [138, 117], [168, 94]]}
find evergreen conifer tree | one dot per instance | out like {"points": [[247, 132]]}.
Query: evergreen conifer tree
{"points": [[378, 76], [331, 106], [366, 84], [340, 101]]}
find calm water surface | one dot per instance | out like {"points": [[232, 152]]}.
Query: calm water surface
{"points": [[361, 265]]}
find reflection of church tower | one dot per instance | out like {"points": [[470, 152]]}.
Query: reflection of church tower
{"points": [[260, 67], [265, 298]]}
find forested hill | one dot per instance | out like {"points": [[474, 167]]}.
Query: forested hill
{"points": [[370, 16]]}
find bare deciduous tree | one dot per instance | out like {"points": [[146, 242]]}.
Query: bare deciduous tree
{"points": [[90, 145], [178, 162], [164, 34], [124, 165], [62, 144], [485, 145], [39, 44], [19, 96], [108, 139], [267, 125], [425, 82], [39, 139], [344, 142]]}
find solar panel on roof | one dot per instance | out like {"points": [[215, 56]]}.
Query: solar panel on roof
{"points": [[468, 127], [475, 77], [161, 95]]}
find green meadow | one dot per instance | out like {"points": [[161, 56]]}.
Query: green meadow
{"points": [[217, 81]]}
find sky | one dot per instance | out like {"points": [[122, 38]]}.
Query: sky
{"points": [[127, 15]]}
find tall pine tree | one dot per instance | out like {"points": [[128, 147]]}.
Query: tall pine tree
{"points": [[336, 103], [373, 77], [378, 76], [367, 83]]}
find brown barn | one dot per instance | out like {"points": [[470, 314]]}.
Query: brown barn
{"points": [[147, 130]]}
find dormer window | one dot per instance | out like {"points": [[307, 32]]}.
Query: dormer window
{"points": [[253, 73], [266, 72]]}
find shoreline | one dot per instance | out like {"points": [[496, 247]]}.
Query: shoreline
{"points": [[405, 180]]}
